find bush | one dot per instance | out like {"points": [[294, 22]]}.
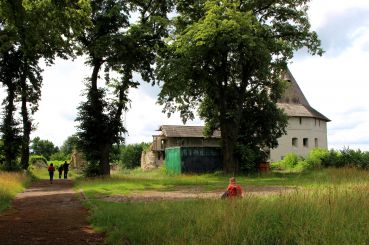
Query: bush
{"points": [[37, 161], [59, 156], [130, 155], [323, 158], [249, 158], [315, 158]]}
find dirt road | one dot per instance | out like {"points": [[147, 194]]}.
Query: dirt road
{"points": [[47, 214]]}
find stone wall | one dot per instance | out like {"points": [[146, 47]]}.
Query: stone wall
{"points": [[148, 160], [78, 160]]}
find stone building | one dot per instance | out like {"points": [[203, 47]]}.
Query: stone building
{"points": [[173, 136], [306, 129]]}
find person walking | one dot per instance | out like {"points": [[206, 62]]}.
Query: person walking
{"points": [[60, 170], [66, 169], [51, 170]]}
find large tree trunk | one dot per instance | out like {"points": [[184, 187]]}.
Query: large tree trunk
{"points": [[26, 124], [104, 160], [104, 144], [229, 131]]}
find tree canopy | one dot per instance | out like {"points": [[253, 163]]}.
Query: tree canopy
{"points": [[30, 31], [43, 147], [119, 45], [226, 57]]}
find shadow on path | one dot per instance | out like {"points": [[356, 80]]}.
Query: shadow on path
{"points": [[47, 214]]}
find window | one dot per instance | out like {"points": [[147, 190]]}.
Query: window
{"points": [[300, 120], [305, 142], [316, 142], [294, 142]]}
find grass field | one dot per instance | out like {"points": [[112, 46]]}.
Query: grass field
{"points": [[330, 207], [11, 184]]}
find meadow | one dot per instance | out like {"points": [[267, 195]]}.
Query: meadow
{"points": [[11, 183], [328, 206]]}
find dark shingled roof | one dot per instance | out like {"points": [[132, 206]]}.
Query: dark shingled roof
{"points": [[294, 102], [185, 131]]}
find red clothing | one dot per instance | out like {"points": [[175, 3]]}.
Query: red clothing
{"points": [[234, 190], [51, 169]]}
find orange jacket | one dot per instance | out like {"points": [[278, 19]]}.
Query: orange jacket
{"points": [[234, 190]]}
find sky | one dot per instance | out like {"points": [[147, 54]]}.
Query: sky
{"points": [[334, 84]]}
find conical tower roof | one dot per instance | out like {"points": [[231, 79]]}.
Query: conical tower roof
{"points": [[294, 102]]}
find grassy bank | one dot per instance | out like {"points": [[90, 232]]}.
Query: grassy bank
{"points": [[330, 207], [11, 183]]}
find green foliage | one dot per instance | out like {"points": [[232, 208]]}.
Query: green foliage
{"points": [[59, 156], [289, 162], [38, 161], [69, 145], [45, 148], [315, 157], [30, 31], [318, 158], [2, 157], [130, 155], [346, 158], [120, 45], [249, 158], [226, 58]]}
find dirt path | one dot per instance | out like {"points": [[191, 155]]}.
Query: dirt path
{"points": [[194, 193], [47, 214]]}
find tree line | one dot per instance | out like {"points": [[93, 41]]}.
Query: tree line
{"points": [[223, 58]]}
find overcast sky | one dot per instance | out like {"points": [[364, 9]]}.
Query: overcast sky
{"points": [[335, 84]]}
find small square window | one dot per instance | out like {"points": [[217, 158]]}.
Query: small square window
{"points": [[294, 142], [305, 142]]}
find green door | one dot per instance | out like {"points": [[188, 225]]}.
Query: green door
{"points": [[173, 160]]}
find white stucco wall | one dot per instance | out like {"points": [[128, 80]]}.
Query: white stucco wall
{"points": [[314, 130]]}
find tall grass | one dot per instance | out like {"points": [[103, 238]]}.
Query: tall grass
{"points": [[11, 183], [330, 207], [327, 216]]}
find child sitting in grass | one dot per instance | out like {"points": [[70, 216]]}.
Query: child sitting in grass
{"points": [[233, 190]]}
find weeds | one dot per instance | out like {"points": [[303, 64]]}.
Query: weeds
{"points": [[10, 184]]}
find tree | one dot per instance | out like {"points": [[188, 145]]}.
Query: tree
{"points": [[122, 46], [33, 30], [69, 145], [130, 155], [227, 56], [10, 126], [43, 147]]}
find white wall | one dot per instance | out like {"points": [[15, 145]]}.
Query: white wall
{"points": [[310, 129]]}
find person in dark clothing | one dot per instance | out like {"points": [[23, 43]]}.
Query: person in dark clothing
{"points": [[66, 169], [60, 170], [51, 170]]}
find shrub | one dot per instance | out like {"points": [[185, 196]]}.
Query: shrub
{"points": [[37, 161], [315, 157], [130, 155], [290, 162]]}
